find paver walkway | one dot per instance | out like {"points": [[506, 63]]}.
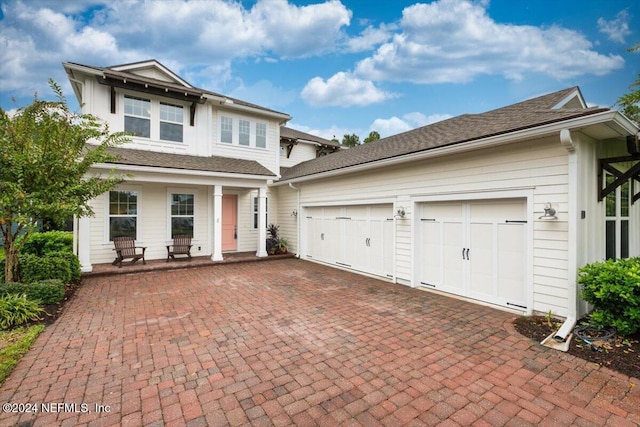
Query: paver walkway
{"points": [[291, 342]]}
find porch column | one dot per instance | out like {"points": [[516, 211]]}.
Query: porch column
{"points": [[262, 222], [217, 223], [84, 244]]}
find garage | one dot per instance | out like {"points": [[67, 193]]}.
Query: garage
{"points": [[475, 249], [357, 237]]}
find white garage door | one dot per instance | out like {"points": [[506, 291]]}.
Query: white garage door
{"points": [[475, 249], [358, 237]]}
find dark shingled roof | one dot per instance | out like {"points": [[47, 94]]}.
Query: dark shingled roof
{"points": [[468, 127], [128, 156]]}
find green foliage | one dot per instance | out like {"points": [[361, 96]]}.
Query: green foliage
{"points": [[352, 140], [34, 268], [45, 291], [613, 287], [15, 344], [630, 103], [51, 241], [16, 310], [45, 161], [373, 136]]}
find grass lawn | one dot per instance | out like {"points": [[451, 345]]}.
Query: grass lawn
{"points": [[13, 345]]}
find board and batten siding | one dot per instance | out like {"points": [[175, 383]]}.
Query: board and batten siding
{"points": [[287, 202], [537, 165]]}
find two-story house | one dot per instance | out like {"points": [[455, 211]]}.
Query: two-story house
{"points": [[501, 207], [199, 163]]}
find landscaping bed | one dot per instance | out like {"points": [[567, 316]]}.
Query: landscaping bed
{"points": [[621, 354]]}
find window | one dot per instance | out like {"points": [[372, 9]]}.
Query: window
{"points": [[137, 116], [226, 129], [171, 120], [617, 220], [261, 135], [182, 214], [123, 214], [255, 209], [244, 130]]}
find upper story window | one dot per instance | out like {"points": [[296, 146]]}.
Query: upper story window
{"points": [[244, 132], [226, 129], [171, 121], [137, 116], [261, 135]]}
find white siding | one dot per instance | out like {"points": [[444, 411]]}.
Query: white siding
{"points": [[300, 153], [287, 203], [539, 165]]}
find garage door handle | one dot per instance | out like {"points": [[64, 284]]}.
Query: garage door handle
{"points": [[467, 253], [321, 236], [463, 253]]}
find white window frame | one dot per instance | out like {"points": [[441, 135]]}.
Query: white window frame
{"points": [[107, 223], [244, 133], [260, 136], [170, 193], [618, 218], [223, 125], [255, 207], [170, 120], [154, 116], [135, 106]]}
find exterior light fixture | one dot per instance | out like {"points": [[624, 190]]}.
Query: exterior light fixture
{"points": [[400, 212], [549, 213], [294, 213]]}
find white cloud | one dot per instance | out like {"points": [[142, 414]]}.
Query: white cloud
{"points": [[395, 125], [369, 38], [36, 36], [342, 90], [455, 41], [616, 29]]}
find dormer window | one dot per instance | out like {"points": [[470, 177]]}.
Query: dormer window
{"points": [[137, 116]]}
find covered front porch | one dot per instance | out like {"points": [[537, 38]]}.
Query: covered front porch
{"points": [[224, 213]]}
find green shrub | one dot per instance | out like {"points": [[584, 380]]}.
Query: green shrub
{"points": [[34, 268], [613, 287], [74, 264], [16, 310], [45, 291], [42, 244]]}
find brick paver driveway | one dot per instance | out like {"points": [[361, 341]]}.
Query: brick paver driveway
{"points": [[291, 342]]}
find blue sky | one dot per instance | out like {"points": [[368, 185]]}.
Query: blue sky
{"points": [[336, 67]]}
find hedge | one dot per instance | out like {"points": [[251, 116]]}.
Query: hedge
{"points": [[45, 291]]}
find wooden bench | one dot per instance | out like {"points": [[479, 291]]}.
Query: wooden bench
{"points": [[125, 247], [181, 246]]}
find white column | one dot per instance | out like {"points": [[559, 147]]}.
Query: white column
{"points": [[217, 223], [262, 222], [84, 244]]}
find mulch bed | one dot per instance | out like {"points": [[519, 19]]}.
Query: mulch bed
{"points": [[621, 354]]}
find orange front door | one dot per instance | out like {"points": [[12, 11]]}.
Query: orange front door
{"points": [[229, 222]]}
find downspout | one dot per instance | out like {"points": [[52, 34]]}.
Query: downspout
{"points": [[297, 218], [570, 322]]}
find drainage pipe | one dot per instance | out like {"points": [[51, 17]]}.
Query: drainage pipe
{"points": [[574, 220], [297, 219]]}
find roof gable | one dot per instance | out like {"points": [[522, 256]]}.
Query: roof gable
{"points": [[151, 69]]}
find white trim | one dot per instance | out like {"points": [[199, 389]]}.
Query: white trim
{"points": [[107, 226], [350, 202], [174, 171]]}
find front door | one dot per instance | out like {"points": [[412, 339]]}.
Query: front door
{"points": [[229, 222]]}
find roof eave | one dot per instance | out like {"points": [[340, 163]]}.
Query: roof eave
{"points": [[176, 171], [476, 144]]}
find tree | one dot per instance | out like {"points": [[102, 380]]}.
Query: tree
{"points": [[351, 140], [630, 102], [44, 168], [373, 136]]}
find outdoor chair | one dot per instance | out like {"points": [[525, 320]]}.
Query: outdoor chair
{"points": [[181, 246], [125, 247]]}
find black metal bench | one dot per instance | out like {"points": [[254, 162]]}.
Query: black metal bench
{"points": [[181, 246], [125, 247]]}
